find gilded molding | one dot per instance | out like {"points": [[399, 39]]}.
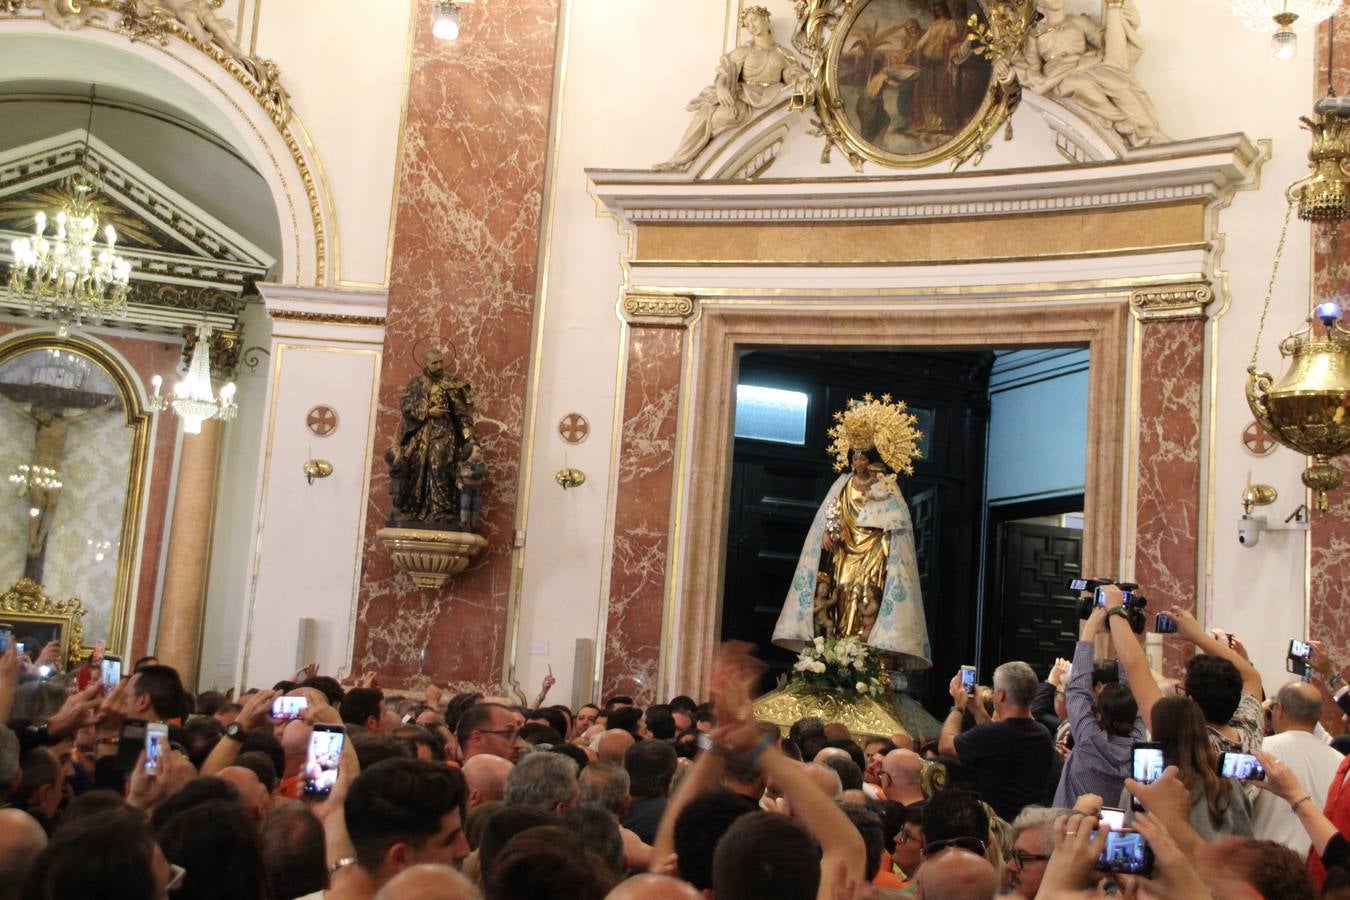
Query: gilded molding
{"points": [[26, 598], [658, 309], [1163, 304], [325, 318], [149, 22]]}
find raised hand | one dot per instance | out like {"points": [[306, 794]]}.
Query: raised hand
{"points": [[75, 713], [1320, 661], [1074, 856]]}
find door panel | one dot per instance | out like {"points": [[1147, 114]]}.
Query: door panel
{"points": [[1039, 613]]}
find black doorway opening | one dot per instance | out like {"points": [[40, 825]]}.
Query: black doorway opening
{"points": [[1004, 462]]}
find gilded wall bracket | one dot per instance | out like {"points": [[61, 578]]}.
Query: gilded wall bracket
{"points": [[1172, 302], [657, 310]]}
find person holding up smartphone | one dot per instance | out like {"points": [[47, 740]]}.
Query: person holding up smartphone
{"points": [[1294, 716], [1104, 728]]}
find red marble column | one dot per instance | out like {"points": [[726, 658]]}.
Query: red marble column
{"points": [[1330, 557], [465, 253], [642, 513], [1167, 545]]}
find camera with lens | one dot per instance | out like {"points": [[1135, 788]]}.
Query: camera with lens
{"points": [[1135, 602]]}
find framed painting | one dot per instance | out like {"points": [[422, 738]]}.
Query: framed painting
{"points": [[902, 84]]}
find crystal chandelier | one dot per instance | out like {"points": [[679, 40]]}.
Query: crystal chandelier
{"points": [[67, 276], [445, 22], [194, 400], [1285, 18]]}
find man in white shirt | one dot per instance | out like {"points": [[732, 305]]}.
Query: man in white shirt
{"points": [[1294, 715]]}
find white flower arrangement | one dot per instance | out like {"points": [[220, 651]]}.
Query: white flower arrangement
{"points": [[845, 664]]}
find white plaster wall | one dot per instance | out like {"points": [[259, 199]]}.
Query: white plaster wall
{"points": [[630, 68], [345, 63], [231, 537], [309, 536]]}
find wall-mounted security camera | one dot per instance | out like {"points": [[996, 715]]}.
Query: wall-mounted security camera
{"points": [[1250, 527], [1249, 530]]}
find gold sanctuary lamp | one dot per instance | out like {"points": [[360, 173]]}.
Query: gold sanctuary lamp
{"points": [[1308, 408]]}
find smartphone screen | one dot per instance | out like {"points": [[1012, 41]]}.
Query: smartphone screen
{"points": [[1299, 649], [156, 743], [1113, 818], [1241, 767], [325, 752], [110, 674], [6, 635], [1146, 763], [289, 707], [968, 678], [1127, 853]]}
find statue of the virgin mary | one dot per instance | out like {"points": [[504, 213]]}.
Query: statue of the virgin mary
{"points": [[857, 574]]}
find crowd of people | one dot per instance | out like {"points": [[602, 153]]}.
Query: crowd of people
{"points": [[1031, 788]]}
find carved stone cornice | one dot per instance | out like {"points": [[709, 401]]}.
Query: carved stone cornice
{"points": [[325, 318], [658, 310], [1172, 302]]}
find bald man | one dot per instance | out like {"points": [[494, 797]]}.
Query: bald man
{"points": [[902, 777], [252, 792], [486, 775], [654, 887], [428, 882], [1294, 714], [21, 840], [826, 779], [957, 874], [614, 744]]}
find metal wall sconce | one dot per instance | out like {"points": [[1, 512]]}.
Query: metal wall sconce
{"points": [[317, 468], [570, 478]]}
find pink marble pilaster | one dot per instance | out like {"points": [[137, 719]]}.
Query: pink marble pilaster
{"points": [[1330, 557], [463, 278], [1168, 505], [642, 513]]}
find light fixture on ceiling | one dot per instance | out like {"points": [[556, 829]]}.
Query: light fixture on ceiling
{"points": [[194, 400], [1285, 18], [67, 276], [445, 24]]}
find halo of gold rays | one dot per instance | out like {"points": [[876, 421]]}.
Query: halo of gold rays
{"points": [[884, 425], [17, 212]]}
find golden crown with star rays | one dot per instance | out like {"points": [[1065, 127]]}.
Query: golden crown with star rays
{"points": [[884, 425]]}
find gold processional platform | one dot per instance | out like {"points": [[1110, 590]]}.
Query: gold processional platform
{"points": [[865, 717]]}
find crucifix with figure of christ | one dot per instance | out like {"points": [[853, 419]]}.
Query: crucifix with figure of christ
{"points": [[52, 411]]}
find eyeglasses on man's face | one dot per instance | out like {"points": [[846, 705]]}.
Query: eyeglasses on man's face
{"points": [[965, 843], [1023, 859]]}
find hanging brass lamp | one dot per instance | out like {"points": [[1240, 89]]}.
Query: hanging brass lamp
{"points": [[1308, 409], [1324, 195]]}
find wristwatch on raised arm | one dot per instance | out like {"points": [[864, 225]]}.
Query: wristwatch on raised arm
{"points": [[235, 732]]}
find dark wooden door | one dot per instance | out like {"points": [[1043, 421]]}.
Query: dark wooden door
{"points": [[772, 505], [1038, 614]]}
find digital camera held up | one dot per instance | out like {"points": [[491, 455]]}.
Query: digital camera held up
{"points": [[1135, 602]]}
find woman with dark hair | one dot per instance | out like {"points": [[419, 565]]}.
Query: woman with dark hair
{"points": [[111, 857], [1218, 806], [456, 707], [218, 846]]}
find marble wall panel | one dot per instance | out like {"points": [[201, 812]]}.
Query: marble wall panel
{"points": [[465, 249], [642, 513], [1168, 506], [1329, 562]]}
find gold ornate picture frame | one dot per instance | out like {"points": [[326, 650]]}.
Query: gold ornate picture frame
{"points": [[900, 83], [39, 619], [123, 543]]}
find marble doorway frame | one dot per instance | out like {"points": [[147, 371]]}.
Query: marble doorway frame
{"points": [[726, 328]]}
